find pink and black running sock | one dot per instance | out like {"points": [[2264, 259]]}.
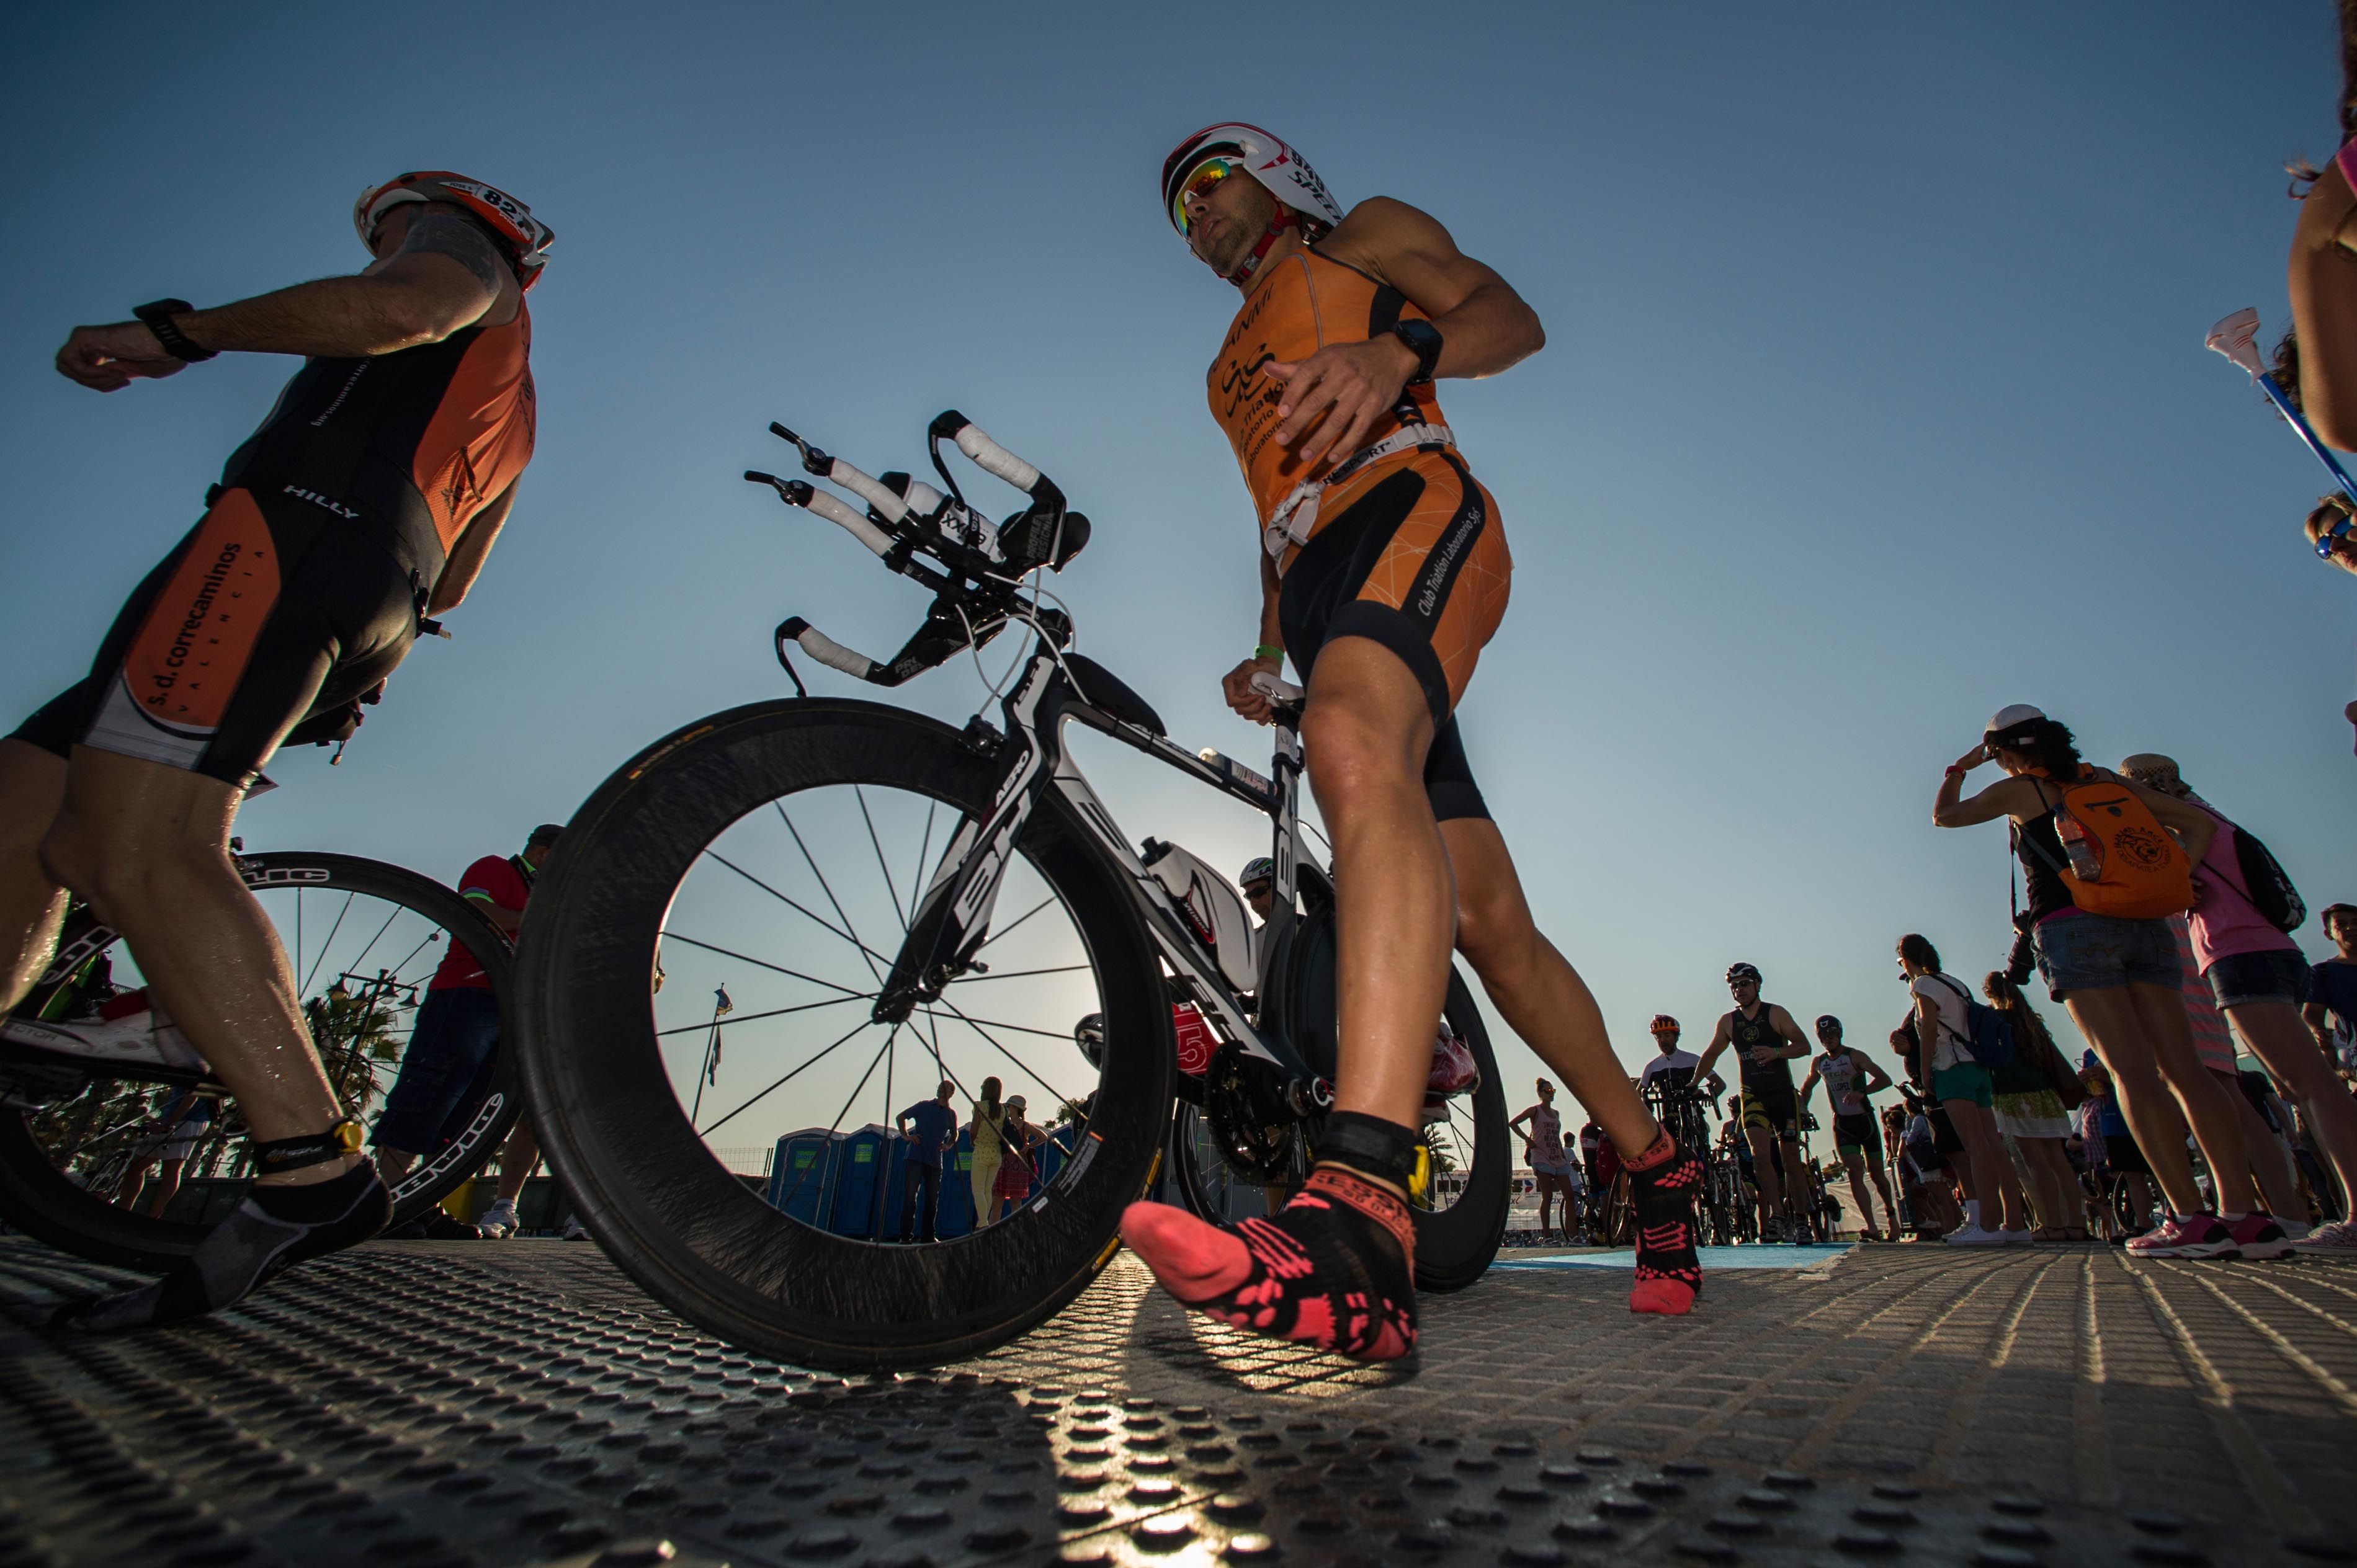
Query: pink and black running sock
{"points": [[1334, 1268], [1663, 1183]]}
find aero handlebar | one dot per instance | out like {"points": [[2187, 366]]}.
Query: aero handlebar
{"points": [[973, 565]]}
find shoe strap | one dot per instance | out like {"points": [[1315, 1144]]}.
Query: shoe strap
{"points": [[277, 1154]]}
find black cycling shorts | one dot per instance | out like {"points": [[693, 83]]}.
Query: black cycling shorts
{"points": [[1861, 1133], [1774, 1108], [1326, 592], [275, 607]]}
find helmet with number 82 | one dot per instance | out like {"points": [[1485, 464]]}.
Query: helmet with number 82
{"points": [[521, 237]]}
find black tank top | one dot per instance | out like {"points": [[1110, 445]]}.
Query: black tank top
{"points": [[2040, 849], [1750, 1034]]}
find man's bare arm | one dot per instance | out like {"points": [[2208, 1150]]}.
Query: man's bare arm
{"points": [[1796, 1045], [1720, 1038], [508, 921], [1334, 397], [433, 286], [467, 555]]}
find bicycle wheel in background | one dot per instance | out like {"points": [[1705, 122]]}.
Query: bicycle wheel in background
{"points": [[364, 939], [699, 1015]]}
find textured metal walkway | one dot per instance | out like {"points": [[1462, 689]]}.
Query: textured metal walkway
{"points": [[426, 1404]]}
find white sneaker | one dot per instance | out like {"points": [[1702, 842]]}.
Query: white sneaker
{"points": [[2016, 1238], [2339, 1238], [574, 1232], [1974, 1236], [499, 1221], [141, 1039]]}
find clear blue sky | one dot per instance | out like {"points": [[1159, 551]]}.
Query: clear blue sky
{"points": [[1874, 400]]}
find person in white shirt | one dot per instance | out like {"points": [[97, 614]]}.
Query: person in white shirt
{"points": [[1963, 1087]]}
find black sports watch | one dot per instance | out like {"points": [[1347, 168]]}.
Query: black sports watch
{"points": [[157, 315], [1424, 338]]}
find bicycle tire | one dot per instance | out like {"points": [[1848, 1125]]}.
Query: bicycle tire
{"points": [[1454, 1246], [41, 1200], [662, 1207]]}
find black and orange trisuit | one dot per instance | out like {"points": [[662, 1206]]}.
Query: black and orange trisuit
{"points": [[1397, 541], [301, 587]]}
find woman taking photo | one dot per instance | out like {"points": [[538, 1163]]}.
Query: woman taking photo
{"points": [[2117, 976]]}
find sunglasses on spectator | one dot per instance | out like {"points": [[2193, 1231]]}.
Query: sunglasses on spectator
{"points": [[2332, 539]]}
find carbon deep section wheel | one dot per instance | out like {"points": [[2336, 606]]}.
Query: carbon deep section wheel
{"points": [[697, 984], [364, 939]]}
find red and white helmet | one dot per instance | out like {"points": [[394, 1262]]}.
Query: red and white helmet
{"points": [[1265, 157], [524, 238]]}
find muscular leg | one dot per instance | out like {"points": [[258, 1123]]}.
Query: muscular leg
{"points": [[2274, 1185], [32, 902], [148, 846], [2282, 1043], [1365, 732], [1855, 1165], [1795, 1181], [1535, 991], [167, 1183]]}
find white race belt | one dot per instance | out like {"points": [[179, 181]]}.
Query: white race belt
{"points": [[1297, 515]]}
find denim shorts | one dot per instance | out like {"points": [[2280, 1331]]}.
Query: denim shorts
{"points": [[2279, 974], [449, 1045], [2100, 953]]}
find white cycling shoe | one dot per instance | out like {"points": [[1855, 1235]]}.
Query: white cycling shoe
{"points": [[143, 1039]]}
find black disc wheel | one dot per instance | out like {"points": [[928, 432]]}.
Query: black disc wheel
{"points": [[1460, 1215], [135, 1170], [700, 977]]}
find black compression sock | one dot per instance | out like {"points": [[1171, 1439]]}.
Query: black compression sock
{"points": [[274, 1228]]}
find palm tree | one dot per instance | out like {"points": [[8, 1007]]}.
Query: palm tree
{"points": [[356, 1034]]}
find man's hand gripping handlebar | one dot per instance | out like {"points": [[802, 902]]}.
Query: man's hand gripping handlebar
{"points": [[973, 565]]}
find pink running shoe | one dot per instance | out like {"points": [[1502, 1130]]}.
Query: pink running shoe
{"points": [[2260, 1239], [2186, 1236]]}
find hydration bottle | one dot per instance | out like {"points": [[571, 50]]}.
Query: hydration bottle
{"points": [[2086, 861]]}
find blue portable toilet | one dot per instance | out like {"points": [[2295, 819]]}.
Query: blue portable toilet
{"points": [[955, 1216], [863, 1182], [803, 1173]]}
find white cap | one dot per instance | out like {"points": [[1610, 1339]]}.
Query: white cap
{"points": [[2012, 715]]}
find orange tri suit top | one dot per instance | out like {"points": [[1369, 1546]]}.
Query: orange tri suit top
{"points": [[1397, 542], [300, 588]]}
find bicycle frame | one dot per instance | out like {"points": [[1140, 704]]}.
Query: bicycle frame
{"points": [[953, 916]]}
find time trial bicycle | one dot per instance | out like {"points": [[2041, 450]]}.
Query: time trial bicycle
{"points": [[878, 902]]}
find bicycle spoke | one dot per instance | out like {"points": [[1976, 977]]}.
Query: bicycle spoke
{"points": [[924, 849], [1021, 974], [828, 888], [708, 1130], [741, 1018], [1025, 915], [327, 943], [764, 963], [860, 793], [1036, 1077], [793, 904]]}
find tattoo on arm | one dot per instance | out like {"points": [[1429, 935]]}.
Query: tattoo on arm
{"points": [[443, 235]]}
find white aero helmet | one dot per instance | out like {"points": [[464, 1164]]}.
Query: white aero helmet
{"points": [[521, 237], [1300, 195]]}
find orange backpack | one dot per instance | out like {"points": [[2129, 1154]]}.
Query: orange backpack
{"points": [[2141, 871]]}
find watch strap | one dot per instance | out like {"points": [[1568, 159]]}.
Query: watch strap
{"points": [[156, 316], [1425, 338]]}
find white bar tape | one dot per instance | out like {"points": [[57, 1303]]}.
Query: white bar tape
{"points": [[1276, 688], [993, 459], [834, 655], [893, 508], [923, 499], [838, 511]]}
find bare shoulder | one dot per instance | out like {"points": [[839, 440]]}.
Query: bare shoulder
{"points": [[1382, 229]]}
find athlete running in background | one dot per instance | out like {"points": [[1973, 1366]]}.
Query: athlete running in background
{"points": [[1851, 1081], [1384, 572], [369, 497], [1766, 1042]]}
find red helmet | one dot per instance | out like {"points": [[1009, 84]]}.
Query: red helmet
{"points": [[1664, 1024], [524, 238]]}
